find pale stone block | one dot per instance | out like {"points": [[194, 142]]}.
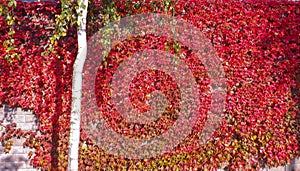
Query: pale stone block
{"points": [[18, 141], [17, 150], [19, 118], [25, 126], [30, 118]]}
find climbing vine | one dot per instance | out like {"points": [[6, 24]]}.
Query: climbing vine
{"points": [[8, 18], [257, 42]]}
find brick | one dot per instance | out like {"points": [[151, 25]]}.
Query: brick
{"points": [[280, 168], [19, 110], [2, 165], [30, 118], [18, 141], [25, 126], [296, 167], [6, 157], [26, 166], [20, 150], [16, 150], [19, 119], [15, 166], [297, 161], [26, 112], [15, 158]]}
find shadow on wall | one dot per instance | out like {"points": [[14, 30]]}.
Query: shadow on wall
{"points": [[12, 163], [25, 119], [17, 158], [9, 113]]}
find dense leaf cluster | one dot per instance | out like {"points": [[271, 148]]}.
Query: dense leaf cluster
{"points": [[258, 43]]}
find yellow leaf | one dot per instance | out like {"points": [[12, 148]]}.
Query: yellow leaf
{"points": [[6, 150], [30, 154]]}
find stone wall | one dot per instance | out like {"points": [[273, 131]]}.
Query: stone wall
{"points": [[17, 158]]}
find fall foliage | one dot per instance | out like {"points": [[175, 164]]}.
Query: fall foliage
{"points": [[258, 42]]}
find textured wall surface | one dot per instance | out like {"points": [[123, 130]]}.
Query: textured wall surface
{"points": [[17, 158]]}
